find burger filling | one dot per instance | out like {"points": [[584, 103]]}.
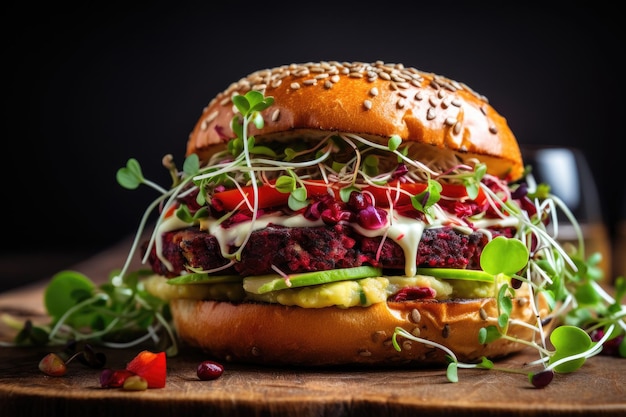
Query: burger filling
{"points": [[336, 203]]}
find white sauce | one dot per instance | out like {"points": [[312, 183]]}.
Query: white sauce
{"points": [[406, 232]]}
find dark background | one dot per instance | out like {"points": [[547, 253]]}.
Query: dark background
{"points": [[87, 88]]}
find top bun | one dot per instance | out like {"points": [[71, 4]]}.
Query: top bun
{"points": [[374, 100]]}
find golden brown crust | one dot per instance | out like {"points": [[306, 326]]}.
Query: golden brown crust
{"points": [[282, 335], [375, 100]]}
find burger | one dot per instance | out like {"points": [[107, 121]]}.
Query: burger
{"points": [[345, 213]]}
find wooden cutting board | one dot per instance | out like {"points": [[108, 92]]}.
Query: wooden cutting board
{"points": [[599, 388]]}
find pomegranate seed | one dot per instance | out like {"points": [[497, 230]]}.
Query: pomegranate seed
{"points": [[209, 370], [52, 365], [542, 379], [110, 378]]}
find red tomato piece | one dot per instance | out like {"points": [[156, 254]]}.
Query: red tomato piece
{"points": [[151, 366]]}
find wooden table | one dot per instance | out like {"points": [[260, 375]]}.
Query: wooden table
{"points": [[599, 388]]}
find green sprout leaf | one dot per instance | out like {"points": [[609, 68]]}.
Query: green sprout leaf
{"points": [[394, 142], [485, 363], [424, 200], [452, 372], [298, 199], [488, 334], [258, 121], [285, 184], [370, 165], [242, 103], [65, 290], [503, 255], [569, 341], [130, 177], [191, 166], [472, 183]]}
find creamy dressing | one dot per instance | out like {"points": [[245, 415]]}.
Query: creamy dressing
{"points": [[405, 231]]}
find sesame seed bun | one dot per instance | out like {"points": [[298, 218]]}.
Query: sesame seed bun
{"points": [[446, 123], [282, 335], [374, 100]]}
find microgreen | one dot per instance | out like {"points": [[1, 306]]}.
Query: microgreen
{"points": [[118, 313], [121, 312], [427, 198]]}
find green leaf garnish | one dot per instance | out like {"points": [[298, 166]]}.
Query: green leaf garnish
{"points": [[64, 291], [569, 341], [502, 255], [394, 142], [130, 177], [427, 198]]}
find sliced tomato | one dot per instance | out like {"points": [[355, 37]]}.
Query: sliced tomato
{"points": [[402, 196], [269, 196]]}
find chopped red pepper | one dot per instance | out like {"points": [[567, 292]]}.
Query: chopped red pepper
{"points": [[151, 366]]}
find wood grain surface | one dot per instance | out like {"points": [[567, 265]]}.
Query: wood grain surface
{"points": [[599, 388]]}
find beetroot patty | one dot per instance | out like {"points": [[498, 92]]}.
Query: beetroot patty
{"points": [[294, 250]]}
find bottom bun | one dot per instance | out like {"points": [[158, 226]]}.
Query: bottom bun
{"points": [[280, 335]]}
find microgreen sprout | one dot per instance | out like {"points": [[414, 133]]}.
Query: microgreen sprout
{"points": [[54, 364], [121, 313]]}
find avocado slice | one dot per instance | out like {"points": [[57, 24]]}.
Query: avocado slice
{"points": [[200, 278], [265, 283]]}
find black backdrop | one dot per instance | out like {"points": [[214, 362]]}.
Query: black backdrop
{"points": [[88, 87]]}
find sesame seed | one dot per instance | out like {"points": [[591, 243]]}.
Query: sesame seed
{"points": [[445, 332], [207, 120], [395, 77], [379, 335], [415, 316], [275, 115]]}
